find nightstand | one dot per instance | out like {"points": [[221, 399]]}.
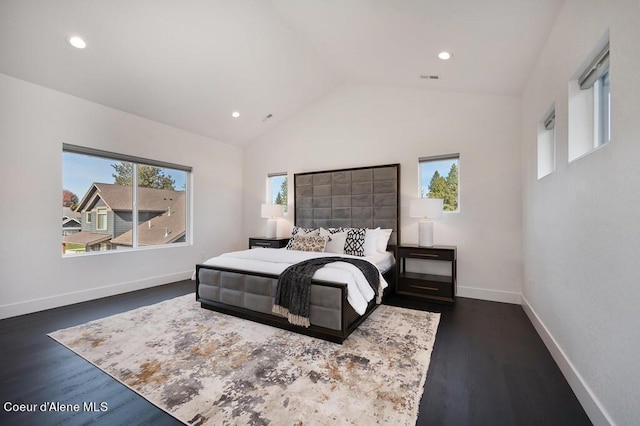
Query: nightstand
{"points": [[436, 287], [267, 242]]}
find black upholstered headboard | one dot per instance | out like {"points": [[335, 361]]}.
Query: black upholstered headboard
{"points": [[364, 197]]}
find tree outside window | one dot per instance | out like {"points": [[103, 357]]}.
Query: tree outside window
{"points": [[278, 184], [439, 179]]}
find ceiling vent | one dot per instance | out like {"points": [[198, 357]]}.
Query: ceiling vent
{"points": [[430, 77]]}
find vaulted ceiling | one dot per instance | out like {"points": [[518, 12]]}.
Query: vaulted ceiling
{"points": [[191, 63]]}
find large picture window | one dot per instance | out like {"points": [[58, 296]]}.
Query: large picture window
{"points": [[134, 202], [439, 179]]}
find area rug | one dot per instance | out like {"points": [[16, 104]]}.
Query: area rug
{"points": [[205, 367]]}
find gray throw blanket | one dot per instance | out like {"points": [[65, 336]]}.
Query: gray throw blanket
{"points": [[294, 286]]}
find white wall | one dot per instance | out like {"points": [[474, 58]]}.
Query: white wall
{"points": [[34, 122], [580, 223], [362, 126]]}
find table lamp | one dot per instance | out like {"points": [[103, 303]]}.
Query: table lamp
{"points": [[272, 212], [426, 209]]}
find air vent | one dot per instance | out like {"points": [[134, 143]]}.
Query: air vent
{"points": [[430, 77]]}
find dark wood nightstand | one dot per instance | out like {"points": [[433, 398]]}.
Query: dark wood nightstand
{"points": [[267, 242], [433, 287]]}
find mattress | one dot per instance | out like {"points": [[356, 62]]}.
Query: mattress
{"points": [[275, 261]]}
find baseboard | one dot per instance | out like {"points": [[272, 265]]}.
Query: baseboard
{"points": [[44, 303], [592, 406], [491, 295]]}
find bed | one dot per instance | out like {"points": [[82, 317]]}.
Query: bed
{"points": [[243, 283]]}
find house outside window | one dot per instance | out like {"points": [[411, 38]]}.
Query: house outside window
{"points": [[110, 185], [439, 177]]}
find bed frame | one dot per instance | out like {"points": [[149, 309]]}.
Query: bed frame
{"points": [[358, 197]]}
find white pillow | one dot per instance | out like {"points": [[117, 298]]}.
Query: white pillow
{"points": [[312, 233], [371, 241], [336, 241], [383, 239]]}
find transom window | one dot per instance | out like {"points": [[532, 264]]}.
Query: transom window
{"points": [[590, 106]]}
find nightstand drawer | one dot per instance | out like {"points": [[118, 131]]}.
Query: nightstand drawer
{"points": [[425, 253], [268, 242], [260, 243], [427, 288]]}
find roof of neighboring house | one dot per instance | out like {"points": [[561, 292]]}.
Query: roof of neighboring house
{"points": [[85, 238], [163, 229], [120, 197], [70, 223], [69, 213]]}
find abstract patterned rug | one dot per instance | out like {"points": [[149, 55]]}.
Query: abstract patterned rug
{"points": [[204, 367]]}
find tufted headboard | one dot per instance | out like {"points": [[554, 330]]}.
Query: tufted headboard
{"points": [[363, 197]]}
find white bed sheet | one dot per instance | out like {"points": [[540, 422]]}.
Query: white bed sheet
{"points": [[275, 261], [384, 261]]}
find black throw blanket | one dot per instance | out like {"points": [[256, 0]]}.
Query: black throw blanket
{"points": [[294, 286]]}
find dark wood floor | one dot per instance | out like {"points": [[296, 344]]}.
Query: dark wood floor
{"points": [[488, 367]]}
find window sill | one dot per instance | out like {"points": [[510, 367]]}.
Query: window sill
{"points": [[597, 148], [127, 250]]}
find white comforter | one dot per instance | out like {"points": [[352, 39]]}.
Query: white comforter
{"points": [[274, 261]]}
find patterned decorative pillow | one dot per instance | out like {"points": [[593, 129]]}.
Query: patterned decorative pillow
{"points": [[335, 230], [300, 231], [309, 243], [354, 245]]}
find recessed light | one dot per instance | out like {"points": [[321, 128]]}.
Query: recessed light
{"points": [[77, 42], [444, 55], [235, 114]]}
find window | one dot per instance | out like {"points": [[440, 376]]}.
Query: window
{"points": [[547, 144], [603, 87], [101, 219], [439, 179], [110, 185], [277, 184], [590, 106]]}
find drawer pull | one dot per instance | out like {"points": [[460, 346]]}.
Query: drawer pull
{"points": [[425, 288], [424, 254], [258, 243]]}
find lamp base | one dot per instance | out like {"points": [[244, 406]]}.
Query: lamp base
{"points": [[425, 233], [272, 228]]}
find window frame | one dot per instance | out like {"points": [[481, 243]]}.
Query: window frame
{"points": [[102, 211], [136, 161], [434, 158]]}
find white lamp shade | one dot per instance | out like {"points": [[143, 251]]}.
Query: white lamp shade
{"points": [[271, 210], [430, 208]]}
